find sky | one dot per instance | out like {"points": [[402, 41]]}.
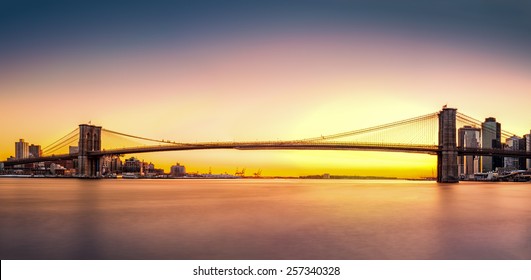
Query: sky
{"points": [[193, 71]]}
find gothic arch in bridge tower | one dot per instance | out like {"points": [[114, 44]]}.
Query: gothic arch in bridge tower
{"points": [[89, 141], [447, 168]]}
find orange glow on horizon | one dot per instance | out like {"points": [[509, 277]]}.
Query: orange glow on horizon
{"points": [[277, 89]]}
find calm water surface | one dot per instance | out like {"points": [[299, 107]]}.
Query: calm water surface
{"points": [[263, 219]]}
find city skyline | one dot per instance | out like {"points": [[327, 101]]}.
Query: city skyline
{"points": [[469, 135], [260, 72]]}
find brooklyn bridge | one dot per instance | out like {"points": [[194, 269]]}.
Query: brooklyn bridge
{"points": [[433, 134]]}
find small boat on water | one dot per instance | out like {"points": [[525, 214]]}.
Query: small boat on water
{"points": [[130, 176], [15, 176]]}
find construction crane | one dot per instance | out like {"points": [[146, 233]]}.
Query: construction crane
{"points": [[240, 173]]}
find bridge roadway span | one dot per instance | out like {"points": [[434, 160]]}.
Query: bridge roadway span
{"points": [[278, 145]]}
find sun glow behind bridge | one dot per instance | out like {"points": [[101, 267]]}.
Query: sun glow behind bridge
{"points": [[419, 132], [414, 135]]}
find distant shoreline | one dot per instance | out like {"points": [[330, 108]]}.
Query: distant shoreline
{"points": [[311, 177], [333, 177]]}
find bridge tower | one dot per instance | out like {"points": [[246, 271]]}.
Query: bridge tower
{"points": [[447, 169], [89, 141]]}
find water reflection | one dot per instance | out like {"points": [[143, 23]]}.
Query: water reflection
{"points": [[262, 219], [85, 222], [484, 221]]}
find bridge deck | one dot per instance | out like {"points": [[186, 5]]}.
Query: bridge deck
{"points": [[279, 145], [286, 145]]}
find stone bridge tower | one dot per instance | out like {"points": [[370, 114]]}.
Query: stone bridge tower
{"points": [[447, 169], [89, 141]]}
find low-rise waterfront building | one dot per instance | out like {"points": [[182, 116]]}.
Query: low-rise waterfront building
{"points": [[133, 165], [111, 165], [177, 170], [73, 149]]}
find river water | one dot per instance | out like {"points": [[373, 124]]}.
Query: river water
{"points": [[263, 219]]}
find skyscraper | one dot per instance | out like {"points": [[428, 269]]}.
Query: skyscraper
{"points": [[35, 150], [513, 144], [522, 147], [468, 137], [528, 148], [491, 139], [21, 149]]}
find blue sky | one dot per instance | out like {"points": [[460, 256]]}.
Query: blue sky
{"points": [[40, 27]]}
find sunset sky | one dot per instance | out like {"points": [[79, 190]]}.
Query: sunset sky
{"points": [[260, 70]]}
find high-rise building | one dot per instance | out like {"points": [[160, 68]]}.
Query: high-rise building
{"points": [[468, 137], [491, 139], [528, 148], [21, 149], [512, 143], [35, 151], [522, 147]]}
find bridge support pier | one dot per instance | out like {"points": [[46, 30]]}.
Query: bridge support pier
{"points": [[89, 141], [447, 168]]}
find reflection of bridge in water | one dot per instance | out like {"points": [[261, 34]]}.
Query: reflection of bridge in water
{"points": [[433, 134]]}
